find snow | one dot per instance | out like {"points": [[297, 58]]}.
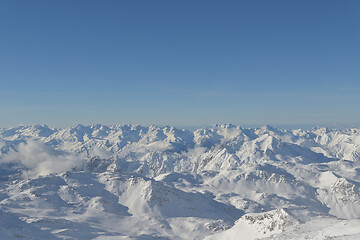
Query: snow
{"points": [[136, 182]]}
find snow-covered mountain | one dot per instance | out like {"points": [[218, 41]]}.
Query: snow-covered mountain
{"points": [[136, 182]]}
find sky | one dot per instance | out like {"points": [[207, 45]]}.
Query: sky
{"points": [[180, 63]]}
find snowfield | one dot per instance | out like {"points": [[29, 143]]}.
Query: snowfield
{"points": [[136, 182]]}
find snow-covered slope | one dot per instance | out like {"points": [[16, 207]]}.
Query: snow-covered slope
{"points": [[136, 182]]}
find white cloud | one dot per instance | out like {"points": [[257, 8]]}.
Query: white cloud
{"points": [[40, 159]]}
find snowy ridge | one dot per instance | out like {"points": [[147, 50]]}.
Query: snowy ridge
{"points": [[131, 181]]}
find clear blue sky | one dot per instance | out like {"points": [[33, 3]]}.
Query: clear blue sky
{"points": [[182, 63]]}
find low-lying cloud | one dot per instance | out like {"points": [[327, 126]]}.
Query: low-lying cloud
{"points": [[40, 159]]}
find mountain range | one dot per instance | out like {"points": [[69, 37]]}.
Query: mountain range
{"points": [[151, 182]]}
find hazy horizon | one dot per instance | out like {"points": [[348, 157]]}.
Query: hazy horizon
{"points": [[194, 127]]}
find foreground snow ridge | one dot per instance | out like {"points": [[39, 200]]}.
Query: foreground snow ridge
{"points": [[136, 182]]}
